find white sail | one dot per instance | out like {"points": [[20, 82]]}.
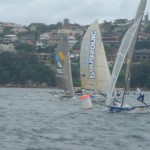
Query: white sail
{"points": [[94, 69], [141, 8], [140, 12], [124, 47]]}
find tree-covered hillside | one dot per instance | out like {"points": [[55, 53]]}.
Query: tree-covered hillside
{"points": [[20, 68]]}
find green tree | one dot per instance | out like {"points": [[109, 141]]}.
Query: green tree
{"points": [[76, 74], [147, 29], [148, 82], [25, 47], [140, 75], [142, 45], [7, 31], [23, 67]]}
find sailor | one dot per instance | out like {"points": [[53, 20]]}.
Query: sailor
{"points": [[118, 93], [114, 98], [79, 91], [141, 98]]}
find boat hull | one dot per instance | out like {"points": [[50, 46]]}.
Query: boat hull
{"points": [[120, 109]]}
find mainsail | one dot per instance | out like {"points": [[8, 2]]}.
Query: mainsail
{"points": [[94, 70], [63, 67], [140, 12], [129, 37]]}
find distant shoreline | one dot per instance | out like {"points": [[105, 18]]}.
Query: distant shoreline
{"points": [[43, 85]]}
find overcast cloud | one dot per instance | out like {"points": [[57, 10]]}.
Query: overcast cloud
{"points": [[77, 11]]}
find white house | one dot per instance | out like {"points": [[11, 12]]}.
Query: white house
{"points": [[10, 38], [7, 48], [40, 44], [45, 36]]}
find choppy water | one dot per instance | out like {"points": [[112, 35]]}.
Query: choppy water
{"points": [[34, 119]]}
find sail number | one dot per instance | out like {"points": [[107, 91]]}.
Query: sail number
{"points": [[60, 71]]}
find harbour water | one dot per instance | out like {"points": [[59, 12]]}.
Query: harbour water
{"points": [[37, 119]]}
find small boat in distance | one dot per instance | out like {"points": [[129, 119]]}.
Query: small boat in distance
{"points": [[63, 68]]}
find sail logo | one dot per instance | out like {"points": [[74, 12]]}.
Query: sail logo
{"points": [[59, 58], [85, 48], [92, 54]]}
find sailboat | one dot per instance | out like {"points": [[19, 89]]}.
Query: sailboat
{"points": [[127, 46], [94, 70], [63, 68]]}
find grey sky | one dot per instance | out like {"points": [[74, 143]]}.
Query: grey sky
{"points": [[78, 11]]}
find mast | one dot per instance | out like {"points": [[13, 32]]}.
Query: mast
{"points": [[140, 12]]}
